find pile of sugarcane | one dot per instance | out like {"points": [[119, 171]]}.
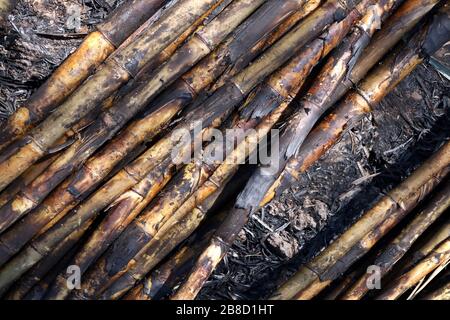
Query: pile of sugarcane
{"points": [[90, 170]]}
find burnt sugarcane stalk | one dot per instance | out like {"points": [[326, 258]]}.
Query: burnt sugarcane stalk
{"points": [[115, 71], [112, 120], [439, 256], [279, 88], [173, 233], [40, 270], [162, 280], [401, 244], [438, 235], [253, 193], [96, 47], [212, 112], [181, 93]]}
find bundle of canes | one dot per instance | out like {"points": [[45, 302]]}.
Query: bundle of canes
{"points": [[160, 282], [339, 64], [216, 108], [266, 99], [395, 250], [113, 119], [96, 47], [122, 65], [139, 132]]}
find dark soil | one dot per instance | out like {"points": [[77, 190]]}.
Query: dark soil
{"points": [[382, 149]]}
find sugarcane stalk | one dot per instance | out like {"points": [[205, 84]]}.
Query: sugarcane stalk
{"points": [[96, 47], [26, 178], [437, 257], [40, 270], [115, 71], [403, 242], [438, 235], [161, 281], [255, 189], [159, 114], [115, 117]]}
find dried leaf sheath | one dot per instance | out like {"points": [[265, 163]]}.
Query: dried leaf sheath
{"points": [[118, 69], [112, 120], [140, 131], [403, 242], [92, 52]]}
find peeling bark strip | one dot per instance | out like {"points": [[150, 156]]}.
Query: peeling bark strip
{"points": [[95, 48], [117, 70], [213, 111], [115, 117], [395, 250], [439, 256], [334, 71]]}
